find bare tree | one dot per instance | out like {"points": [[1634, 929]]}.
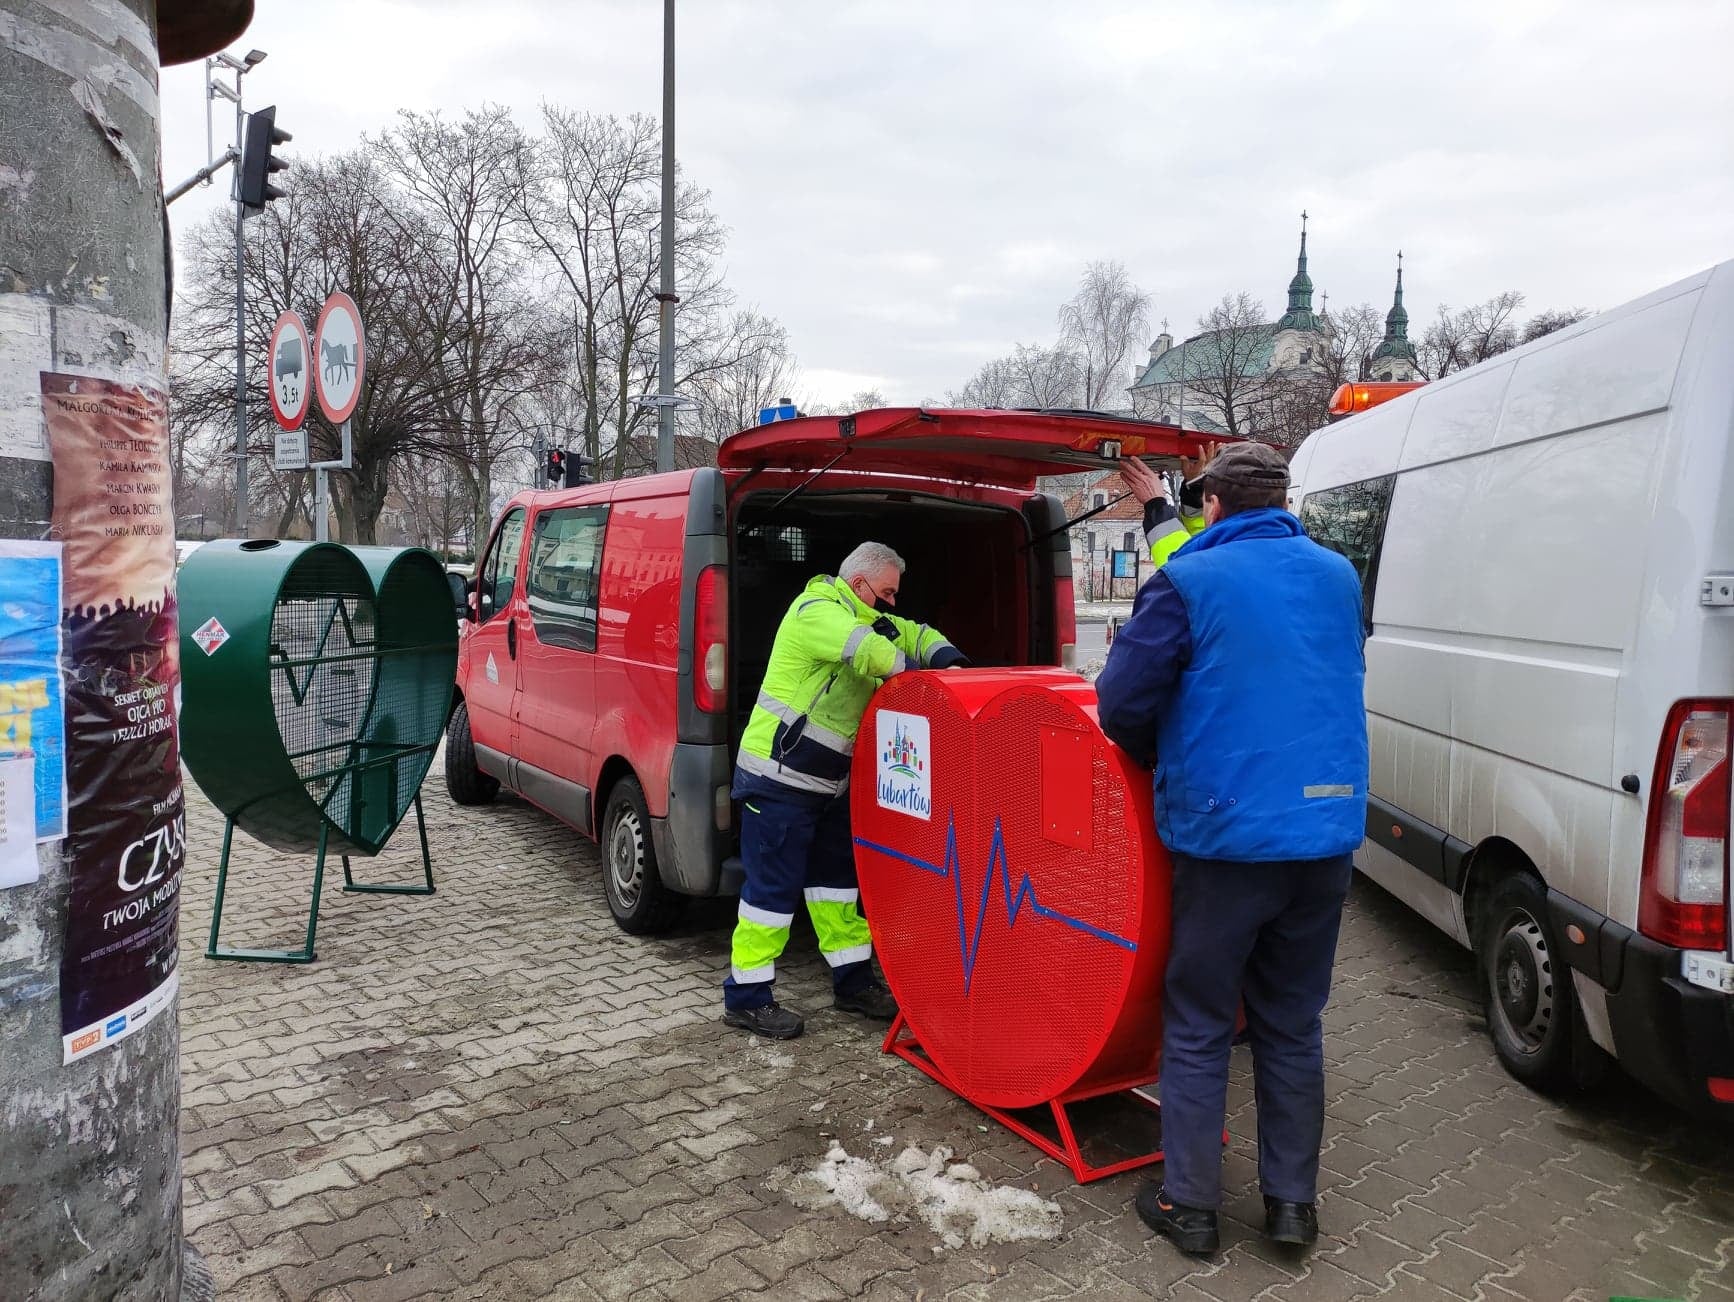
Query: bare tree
{"points": [[1469, 335], [591, 201], [1355, 332], [437, 507], [1227, 365], [990, 388], [1032, 375], [330, 233], [458, 205], [761, 372], [1546, 322], [1102, 326]]}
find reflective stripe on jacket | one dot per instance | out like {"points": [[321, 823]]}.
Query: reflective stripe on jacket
{"points": [[825, 664], [1165, 533]]}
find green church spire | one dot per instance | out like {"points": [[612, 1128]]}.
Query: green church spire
{"points": [[1300, 292], [1396, 341]]}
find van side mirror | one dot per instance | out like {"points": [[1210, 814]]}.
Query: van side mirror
{"points": [[460, 597]]}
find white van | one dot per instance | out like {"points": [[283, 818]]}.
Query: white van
{"points": [[1546, 542]]}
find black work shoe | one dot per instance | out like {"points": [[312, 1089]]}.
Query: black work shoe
{"points": [[1191, 1229], [771, 1020], [1293, 1223], [872, 1001]]}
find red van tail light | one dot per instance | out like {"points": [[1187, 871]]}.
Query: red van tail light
{"points": [[1065, 624], [711, 630], [1683, 897]]}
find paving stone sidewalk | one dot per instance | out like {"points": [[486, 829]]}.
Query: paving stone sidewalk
{"points": [[493, 1093]]}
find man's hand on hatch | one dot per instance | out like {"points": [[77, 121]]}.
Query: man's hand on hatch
{"points": [[1145, 483], [1192, 467]]}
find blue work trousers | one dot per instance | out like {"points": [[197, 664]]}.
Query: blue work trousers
{"points": [[1265, 934], [795, 846]]}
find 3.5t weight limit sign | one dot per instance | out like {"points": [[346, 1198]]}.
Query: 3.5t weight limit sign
{"points": [[340, 357], [291, 379]]}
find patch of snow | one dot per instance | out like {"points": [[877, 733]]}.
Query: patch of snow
{"points": [[951, 1198]]}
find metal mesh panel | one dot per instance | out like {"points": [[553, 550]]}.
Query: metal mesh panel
{"points": [[324, 659]]}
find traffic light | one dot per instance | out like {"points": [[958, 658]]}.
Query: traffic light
{"points": [[575, 463], [556, 465], [258, 162]]}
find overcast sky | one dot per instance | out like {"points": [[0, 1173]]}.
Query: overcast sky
{"points": [[913, 186]]}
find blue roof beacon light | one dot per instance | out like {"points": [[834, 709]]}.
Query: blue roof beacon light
{"points": [[784, 410]]}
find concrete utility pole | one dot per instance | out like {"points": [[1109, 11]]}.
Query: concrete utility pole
{"points": [[90, 1179], [666, 299]]}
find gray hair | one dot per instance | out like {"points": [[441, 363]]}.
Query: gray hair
{"points": [[868, 559]]}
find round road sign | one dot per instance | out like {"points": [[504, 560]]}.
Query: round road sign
{"points": [[291, 378], [341, 357]]}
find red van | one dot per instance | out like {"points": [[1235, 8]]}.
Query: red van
{"points": [[619, 631]]}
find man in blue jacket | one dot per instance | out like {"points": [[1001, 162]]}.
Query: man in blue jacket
{"points": [[1239, 678]]}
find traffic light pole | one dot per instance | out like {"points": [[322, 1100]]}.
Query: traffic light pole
{"points": [[213, 89], [240, 328]]}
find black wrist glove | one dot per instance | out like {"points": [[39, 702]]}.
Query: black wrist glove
{"points": [[948, 657]]}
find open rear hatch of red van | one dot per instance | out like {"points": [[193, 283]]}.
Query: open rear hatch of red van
{"points": [[1009, 448]]}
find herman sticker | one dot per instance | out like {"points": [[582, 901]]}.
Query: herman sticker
{"points": [[210, 635], [904, 769]]}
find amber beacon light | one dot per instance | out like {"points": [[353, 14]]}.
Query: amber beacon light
{"points": [[1351, 398]]}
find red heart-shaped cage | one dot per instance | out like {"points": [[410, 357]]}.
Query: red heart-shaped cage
{"points": [[1016, 889]]}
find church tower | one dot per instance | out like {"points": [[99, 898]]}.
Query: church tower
{"points": [[1394, 358], [1300, 292]]}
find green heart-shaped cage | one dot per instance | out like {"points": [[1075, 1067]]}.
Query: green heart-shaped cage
{"points": [[315, 683]]}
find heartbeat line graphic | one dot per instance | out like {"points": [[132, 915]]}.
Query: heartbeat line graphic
{"points": [[997, 860]]}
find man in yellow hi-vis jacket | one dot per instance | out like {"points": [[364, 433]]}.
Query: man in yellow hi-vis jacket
{"points": [[833, 649]]}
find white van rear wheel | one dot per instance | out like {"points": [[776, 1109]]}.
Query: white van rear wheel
{"points": [[1530, 1006]]}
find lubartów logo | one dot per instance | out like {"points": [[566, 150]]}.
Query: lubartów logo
{"points": [[904, 754]]}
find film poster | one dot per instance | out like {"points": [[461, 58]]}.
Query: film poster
{"points": [[125, 812]]}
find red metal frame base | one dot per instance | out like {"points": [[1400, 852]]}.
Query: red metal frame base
{"points": [[901, 1041]]}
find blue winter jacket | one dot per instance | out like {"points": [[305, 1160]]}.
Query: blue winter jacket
{"points": [[1240, 676]]}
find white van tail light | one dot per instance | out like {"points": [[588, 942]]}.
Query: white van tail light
{"points": [[1683, 898], [711, 631]]}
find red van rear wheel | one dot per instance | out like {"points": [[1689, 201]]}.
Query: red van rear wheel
{"points": [[639, 901]]}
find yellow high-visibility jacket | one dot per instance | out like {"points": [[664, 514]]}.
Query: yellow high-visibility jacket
{"points": [[825, 665]]}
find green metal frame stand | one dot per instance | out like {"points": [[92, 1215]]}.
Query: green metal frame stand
{"points": [[303, 955], [306, 953], [349, 883]]}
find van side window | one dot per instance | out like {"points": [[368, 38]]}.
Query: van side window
{"points": [[500, 571], [1350, 520], [561, 587]]}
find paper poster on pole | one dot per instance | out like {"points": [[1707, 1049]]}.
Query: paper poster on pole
{"points": [[32, 694], [126, 816], [19, 865]]}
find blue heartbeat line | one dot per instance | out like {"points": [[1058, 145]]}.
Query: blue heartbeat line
{"points": [[970, 944]]}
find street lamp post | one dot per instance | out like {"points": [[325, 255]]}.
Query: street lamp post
{"points": [[214, 88], [666, 299]]}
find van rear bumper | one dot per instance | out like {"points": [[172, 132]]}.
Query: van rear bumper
{"points": [[1669, 1034], [690, 847]]}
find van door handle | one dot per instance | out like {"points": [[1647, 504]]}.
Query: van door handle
{"points": [[512, 638]]}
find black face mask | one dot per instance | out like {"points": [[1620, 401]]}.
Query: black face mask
{"points": [[873, 601]]}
